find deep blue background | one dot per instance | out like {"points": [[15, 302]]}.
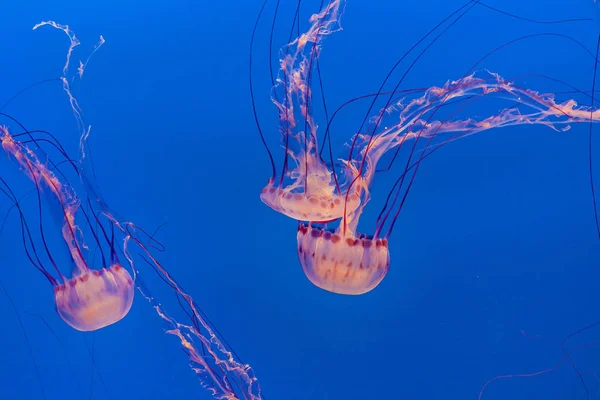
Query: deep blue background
{"points": [[497, 235]]}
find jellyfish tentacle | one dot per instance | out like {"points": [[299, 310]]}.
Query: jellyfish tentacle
{"points": [[253, 101], [26, 236], [534, 21], [26, 337], [590, 142], [462, 11]]}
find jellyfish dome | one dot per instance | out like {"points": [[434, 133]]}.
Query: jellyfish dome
{"points": [[343, 265], [95, 299], [318, 206]]}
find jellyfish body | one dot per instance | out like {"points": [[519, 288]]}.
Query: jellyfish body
{"points": [[319, 206], [95, 299], [342, 264]]}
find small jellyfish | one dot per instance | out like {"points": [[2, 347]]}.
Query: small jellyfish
{"points": [[89, 299], [94, 298]]}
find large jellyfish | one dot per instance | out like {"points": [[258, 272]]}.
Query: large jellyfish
{"points": [[342, 260], [97, 298], [347, 262]]}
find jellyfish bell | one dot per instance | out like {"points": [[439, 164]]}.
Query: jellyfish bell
{"points": [[319, 206], [96, 299], [341, 264], [318, 196]]}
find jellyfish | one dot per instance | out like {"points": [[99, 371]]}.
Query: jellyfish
{"points": [[88, 299], [217, 366], [95, 298], [307, 188], [347, 262], [343, 260]]}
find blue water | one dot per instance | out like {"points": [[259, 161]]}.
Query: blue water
{"points": [[497, 237]]}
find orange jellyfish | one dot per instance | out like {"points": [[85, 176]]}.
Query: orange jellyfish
{"points": [[95, 298], [217, 366], [345, 261], [88, 299], [307, 188]]}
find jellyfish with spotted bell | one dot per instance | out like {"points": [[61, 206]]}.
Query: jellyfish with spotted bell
{"points": [[348, 262], [87, 299], [352, 264], [123, 247], [91, 299], [343, 260], [307, 188]]}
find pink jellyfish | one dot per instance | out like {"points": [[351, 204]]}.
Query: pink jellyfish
{"points": [[345, 261], [93, 299], [306, 189], [88, 299], [211, 358]]}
